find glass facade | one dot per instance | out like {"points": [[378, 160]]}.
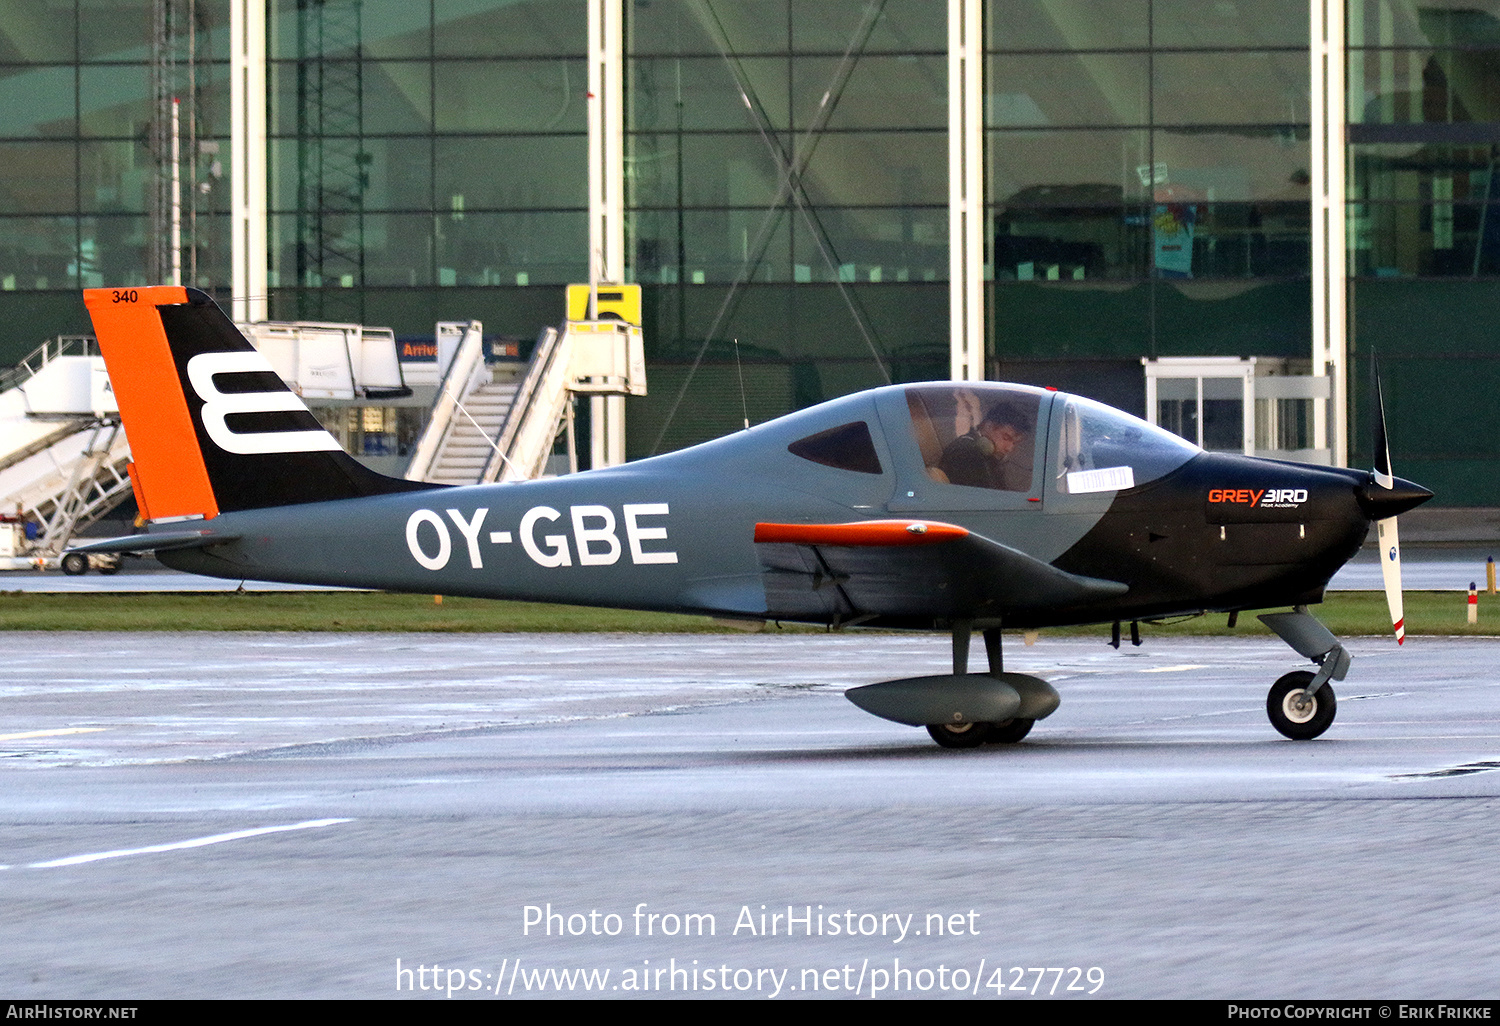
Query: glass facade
{"points": [[1147, 182], [1146, 163], [429, 160], [1424, 230], [80, 144], [787, 198]]}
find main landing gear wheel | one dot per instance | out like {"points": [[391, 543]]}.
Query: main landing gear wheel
{"points": [[960, 735], [1008, 732], [1297, 714], [75, 563]]}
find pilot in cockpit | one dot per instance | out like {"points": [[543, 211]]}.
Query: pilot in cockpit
{"points": [[983, 458]]}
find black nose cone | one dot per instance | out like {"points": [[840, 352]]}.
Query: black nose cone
{"points": [[1379, 503]]}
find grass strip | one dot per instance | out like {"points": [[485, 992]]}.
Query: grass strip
{"points": [[1346, 613]]}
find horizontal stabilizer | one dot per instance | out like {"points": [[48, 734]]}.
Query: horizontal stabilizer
{"points": [[162, 541]]}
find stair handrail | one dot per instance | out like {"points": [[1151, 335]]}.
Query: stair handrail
{"points": [[543, 358], [455, 383], [49, 350]]}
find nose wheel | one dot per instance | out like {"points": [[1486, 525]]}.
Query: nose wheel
{"points": [[1298, 713]]}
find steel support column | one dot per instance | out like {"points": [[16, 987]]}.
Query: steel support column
{"points": [[606, 199], [966, 214], [1330, 247], [247, 177]]}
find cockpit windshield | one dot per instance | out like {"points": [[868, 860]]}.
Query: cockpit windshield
{"points": [[978, 436], [1101, 449]]}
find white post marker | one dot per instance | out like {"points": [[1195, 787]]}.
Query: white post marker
{"points": [[1473, 603]]}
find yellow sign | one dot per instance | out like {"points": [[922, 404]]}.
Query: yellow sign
{"points": [[616, 303]]}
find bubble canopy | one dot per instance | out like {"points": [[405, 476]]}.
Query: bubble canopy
{"points": [[1099, 448], [991, 435]]}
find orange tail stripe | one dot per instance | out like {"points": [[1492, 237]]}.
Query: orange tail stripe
{"points": [[170, 474], [140, 496], [864, 532]]}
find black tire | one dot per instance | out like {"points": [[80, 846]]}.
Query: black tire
{"points": [[109, 567], [1008, 732], [75, 563], [959, 735], [1300, 724]]}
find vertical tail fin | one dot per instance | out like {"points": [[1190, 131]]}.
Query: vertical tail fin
{"points": [[212, 428]]}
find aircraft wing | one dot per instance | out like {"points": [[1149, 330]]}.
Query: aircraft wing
{"points": [[909, 568]]}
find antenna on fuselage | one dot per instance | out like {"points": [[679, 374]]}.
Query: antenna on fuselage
{"points": [[744, 407]]}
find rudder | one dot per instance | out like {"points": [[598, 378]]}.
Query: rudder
{"points": [[211, 426]]}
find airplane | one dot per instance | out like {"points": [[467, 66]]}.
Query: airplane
{"points": [[937, 506]]}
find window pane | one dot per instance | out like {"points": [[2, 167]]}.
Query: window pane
{"points": [[1424, 23], [708, 91], [981, 437], [114, 100], [38, 253], [869, 169], [397, 96], [400, 174], [1269, 164], [1070, 243], [1067, 25], [398, 249], [511, 96], [395, 28], [847, 447], [1244, 23], [689, 26], [513, 172], [880, 92], [37, 178], [1033, 91], [872, 245], [1231, 88], [1439, 239], [903, 26], [545, 247], [39, 31], [1070, 166], [116, 176], [498, 28], [36, 102]]}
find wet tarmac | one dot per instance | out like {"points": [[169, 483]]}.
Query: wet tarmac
{"points": [[226, 815]]}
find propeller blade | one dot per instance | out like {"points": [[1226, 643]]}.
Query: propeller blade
{"points": [[1390, 572], [1385, 529], [1383, 475]]}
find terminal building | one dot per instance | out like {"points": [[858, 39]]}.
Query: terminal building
{"points": [[1212, 213]]}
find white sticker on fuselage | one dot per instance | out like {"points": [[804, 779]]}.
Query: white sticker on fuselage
{"points": [[1107, 479], [593, 539]]}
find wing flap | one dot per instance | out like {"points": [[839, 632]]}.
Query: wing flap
{"points": [[871, 569]]}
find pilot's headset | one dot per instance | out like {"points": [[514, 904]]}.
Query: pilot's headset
{"points": [[997, 415]]}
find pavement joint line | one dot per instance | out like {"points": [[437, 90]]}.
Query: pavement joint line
{"points": [[195, 842]]}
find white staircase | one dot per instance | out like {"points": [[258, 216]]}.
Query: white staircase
{"points": [[469, 444], [63, 455]]}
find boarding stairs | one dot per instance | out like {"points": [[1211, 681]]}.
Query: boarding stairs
{"points": [[63, 455], [489, 425]]}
